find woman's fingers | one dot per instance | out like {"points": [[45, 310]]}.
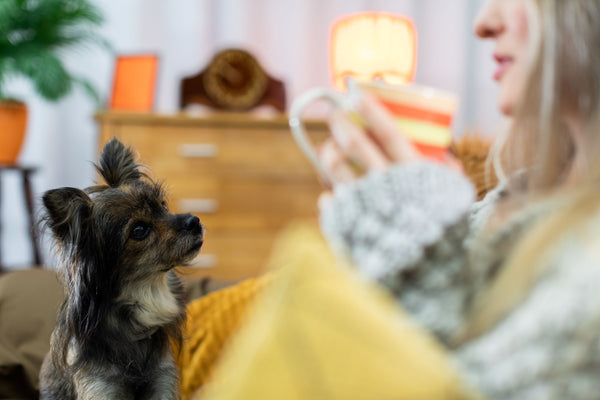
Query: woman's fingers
{"points": [[324, 198], [385, 131], [335, 162], [353, 150], [358, 147]]}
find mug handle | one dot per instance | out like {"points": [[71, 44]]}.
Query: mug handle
{"points": [[299, 131]]}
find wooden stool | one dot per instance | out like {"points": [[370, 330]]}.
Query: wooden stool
{"points": [[25, 172]]}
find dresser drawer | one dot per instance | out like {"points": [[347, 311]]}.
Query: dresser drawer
{"points": [[182, 187], [241, 151], [268, 154], [249, 203], [232, 256], [172, 152]]}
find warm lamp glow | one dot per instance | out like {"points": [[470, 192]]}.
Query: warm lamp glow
{"points": [[373, 45]]}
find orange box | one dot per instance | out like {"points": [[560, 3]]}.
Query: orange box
{"points": [[134, 82]]}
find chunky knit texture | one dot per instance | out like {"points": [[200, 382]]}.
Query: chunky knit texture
{"points": [[211, 320], [432, 198], [416, 230]]}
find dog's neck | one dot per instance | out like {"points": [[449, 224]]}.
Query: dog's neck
{"points": [[152, 305], [145, 334]]}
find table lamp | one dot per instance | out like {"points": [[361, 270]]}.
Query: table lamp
{"points": [[372, 45]]}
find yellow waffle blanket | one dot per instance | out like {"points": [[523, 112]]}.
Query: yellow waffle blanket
{"points": [[211, 320], [311, 330]]}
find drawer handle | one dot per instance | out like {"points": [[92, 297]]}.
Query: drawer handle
{"points": [[204, 261], [199, 150], [205, 206]]}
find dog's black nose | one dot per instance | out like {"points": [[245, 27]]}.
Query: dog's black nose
{"points": [[191, 223]]}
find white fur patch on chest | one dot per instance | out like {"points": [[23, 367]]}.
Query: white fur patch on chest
{"points": [[72, 353], [154, 303]]}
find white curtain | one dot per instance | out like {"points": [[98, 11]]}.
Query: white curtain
{"points": [[288, 37]]}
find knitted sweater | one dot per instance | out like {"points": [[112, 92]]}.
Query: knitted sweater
{"points": [[417, 230]]}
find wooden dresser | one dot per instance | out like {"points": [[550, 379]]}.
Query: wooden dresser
{"points": [[243, 176]]}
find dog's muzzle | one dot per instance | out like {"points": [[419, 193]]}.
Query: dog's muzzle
{"points": [[192, 224]]}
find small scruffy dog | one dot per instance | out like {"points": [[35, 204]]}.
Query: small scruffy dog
{"points": [[124, 304]]}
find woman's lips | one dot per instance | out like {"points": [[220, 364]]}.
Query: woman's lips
{"points": [[504, 63]]}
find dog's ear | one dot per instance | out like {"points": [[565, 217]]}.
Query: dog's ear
{"points": [[117, 164], [68, 211]]}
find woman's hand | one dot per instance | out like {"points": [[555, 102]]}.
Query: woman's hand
{"points": [[353, 150]]}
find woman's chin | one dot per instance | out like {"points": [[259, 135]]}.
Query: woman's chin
{"points": [[506, 107]]}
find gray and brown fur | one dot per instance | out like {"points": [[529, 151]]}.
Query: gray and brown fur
{"points": [[118, 245]]}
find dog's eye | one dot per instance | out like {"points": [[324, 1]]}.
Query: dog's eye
{"points": [[140, 231], [164, 206]]}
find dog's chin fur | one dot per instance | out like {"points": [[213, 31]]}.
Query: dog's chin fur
{"points": [[124, 304], [152, 301]]}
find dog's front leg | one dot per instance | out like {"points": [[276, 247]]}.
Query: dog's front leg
{"points": [[165, 381], [99, 386]]}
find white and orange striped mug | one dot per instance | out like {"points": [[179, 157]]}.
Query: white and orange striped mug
{"points": [[423, 114]]}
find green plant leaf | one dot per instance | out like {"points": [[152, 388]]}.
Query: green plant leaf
{"points": [[47, 74], [90, 90], [34, 34]]}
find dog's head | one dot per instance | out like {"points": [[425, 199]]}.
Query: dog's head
{"points": [[123, 223], [119, 233]]}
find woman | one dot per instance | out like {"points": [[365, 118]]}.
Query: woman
{"points": [[509, 283]]}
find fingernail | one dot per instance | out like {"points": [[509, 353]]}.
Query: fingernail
{"points": [[355, 94]]}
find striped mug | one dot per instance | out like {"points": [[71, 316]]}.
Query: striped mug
{"points": [[423, 114]]}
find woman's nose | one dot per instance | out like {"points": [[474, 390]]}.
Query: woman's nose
{"points": [[488, 23]]}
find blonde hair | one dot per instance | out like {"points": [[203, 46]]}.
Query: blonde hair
{"points": [[560, 104], [555, 138]]}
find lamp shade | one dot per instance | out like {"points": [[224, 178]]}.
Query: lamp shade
{"points": [[371, 45]]}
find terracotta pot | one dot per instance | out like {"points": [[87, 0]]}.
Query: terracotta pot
{"points": [[13, 122]]}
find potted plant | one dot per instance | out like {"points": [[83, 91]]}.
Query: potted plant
{"points": [[33, 35]]}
